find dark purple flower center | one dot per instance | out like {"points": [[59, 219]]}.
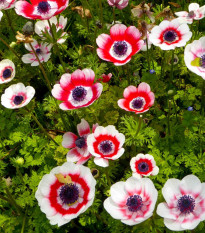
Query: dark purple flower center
{"points": [[191, 14], [43, 7], [143, 167], [138, 103], [186, 204], [38, 51], [202, 61], [106, 146], [80, 142], [170, 36], [120, 48], [18, 99], [134, 203], [79, 94], [69, 194], [7, 72]]}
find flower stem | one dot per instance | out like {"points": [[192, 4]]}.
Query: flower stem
{"points": [[147, 52], [101, 12], [172, 65], [10, 22], [113, 11], [162, 65], [108, 177], [7, 45], [56, 46], [24, 223], [139, 125], [41, 127], [203, 98]]}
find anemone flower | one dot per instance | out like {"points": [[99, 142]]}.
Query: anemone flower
{"points": [[17, 96], [77, 90], [105, 144], [122, 43], [120, 4], [40, 9], [170, 34], [184, 208], [7, 71], [132, 201], [79, 152], [66, 192], [137, 99]]}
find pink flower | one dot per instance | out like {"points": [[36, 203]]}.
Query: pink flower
{"points": [[105, 78], [66, 192], [120, 4], [79, 153], [77, 90], [121, 45], [42, 51], [143, 165], [40, 9], [132, 201], [184, 208], [137, 99], [195, 13], [7, 4], [105, 143], [170, 34]]}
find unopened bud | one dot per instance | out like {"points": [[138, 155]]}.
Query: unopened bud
{"points": [[28, 29], [20, 161]]}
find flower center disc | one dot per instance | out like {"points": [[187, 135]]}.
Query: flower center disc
{"points": [[79, 94], [38, 51], [120, 48], [191, 14], [7, 73], [69, 194], [143, 167], [186, 204], [170, 36], [18, 99], [134, 203], [106, 147], [202, 61], [43, 7], [138, 103], [80, 142]]}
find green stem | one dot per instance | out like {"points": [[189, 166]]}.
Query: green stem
{"points": [[113, 12], [9, 47], [172, 65], [20, 175], [139, 125], [108, 177], [101, 12], [162, 64], [24, 223], [13, 202], [203, 98], [152, 57], [56, 46], [10, 22], [169, 131], [147, 52], [175, 109], [41, 127]]}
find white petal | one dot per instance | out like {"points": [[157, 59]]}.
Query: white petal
{"points": [[101, 162], [118, 193]]}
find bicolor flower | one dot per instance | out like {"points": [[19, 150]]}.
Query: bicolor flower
{"points": [[194, 56], [120, 4], [105, 77], [7, 71], [77, 90], [43, 27], [195, 13], [137, 99], [17, 96], [132, 201], [184, 208], [40, 9], [7, 4], [170, 34], [79, 152], [105, 143], [143, 165], [122, 43], [42, 50], [66, 192]]}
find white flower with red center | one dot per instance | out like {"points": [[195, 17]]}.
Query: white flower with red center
{"points": [[42, 50], [195, 13], [120, 4], [184, 208], [143, 165], [132, 201], [77, 90], [40, 9], [7, 4], [17, 96], [137, 99], [194, 56], [170, 34], [79, 153], [7, 71], [121, 45], [105, 143], [66, 192], [105, 77], [43, 27]]}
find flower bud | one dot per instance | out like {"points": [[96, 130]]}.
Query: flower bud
{"points": [[170, 92], [28, 29], [95, 172], [20, 161]]}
